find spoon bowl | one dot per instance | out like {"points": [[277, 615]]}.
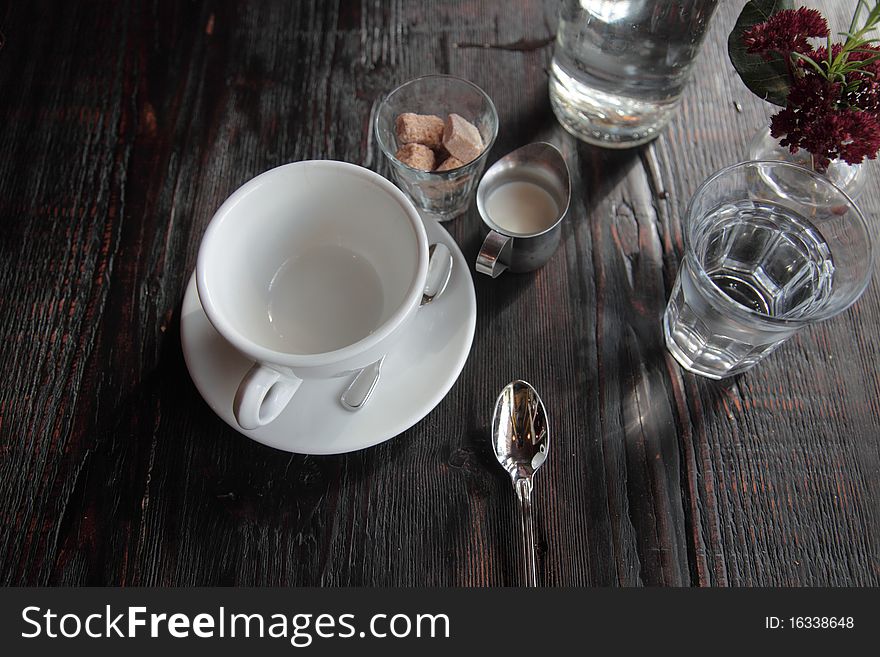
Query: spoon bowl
{"points": [[520, 435]]}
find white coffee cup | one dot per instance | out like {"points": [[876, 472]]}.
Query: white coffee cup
{"points": [[312, 270]]}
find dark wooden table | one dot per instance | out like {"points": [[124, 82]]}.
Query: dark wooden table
{"points": [[124, 125]]}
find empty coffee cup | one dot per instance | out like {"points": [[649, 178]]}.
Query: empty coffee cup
{"points": [[311, 270], [522, 200]]}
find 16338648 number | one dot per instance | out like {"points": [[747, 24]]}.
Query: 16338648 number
{"points": [[821, 622]]}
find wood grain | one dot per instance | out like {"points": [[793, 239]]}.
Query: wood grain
{"points": [[124, 125]]}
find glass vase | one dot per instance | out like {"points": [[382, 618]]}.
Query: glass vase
{"points": [[850, 178]]}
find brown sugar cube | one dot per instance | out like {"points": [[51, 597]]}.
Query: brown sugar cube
{"points": [[462, 139], [425, 129], [449, 163], [417, 156]]}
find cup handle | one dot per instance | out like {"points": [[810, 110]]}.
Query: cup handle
{"points": [[261, 396], [494, 256]]}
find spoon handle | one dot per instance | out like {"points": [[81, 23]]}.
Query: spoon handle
{"points": [[523, 488], [358, 392]]}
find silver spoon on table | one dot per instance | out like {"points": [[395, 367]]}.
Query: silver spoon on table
{"points": [[521, 438], [358, 393]]}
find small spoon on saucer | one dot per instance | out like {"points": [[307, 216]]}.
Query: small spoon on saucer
{"points": [[358, 393], [521, 439]]}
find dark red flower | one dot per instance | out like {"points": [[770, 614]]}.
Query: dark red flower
{"points": [[821, 53], [833, 111], [847, 134], [858, 135], [863, 85], [785, 32]]}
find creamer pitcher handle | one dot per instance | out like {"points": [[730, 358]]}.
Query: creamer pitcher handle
{"points": [[494, 256]]}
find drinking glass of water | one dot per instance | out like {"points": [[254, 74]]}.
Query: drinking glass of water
{"points": [[762, 260], [619, 66]]}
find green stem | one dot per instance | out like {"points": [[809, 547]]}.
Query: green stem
{"points": [[855, 18]]}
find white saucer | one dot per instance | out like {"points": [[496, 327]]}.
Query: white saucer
{"points": [[415, 377]]}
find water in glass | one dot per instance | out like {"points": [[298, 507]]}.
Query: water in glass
{"points": [[763, 257]]}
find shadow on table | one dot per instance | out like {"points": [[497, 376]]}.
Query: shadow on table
{"points": [[486, 518], [658, 420]]}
